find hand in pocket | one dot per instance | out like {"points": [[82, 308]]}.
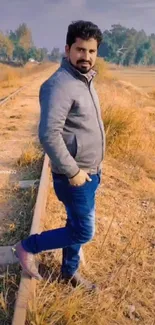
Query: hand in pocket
{"points": [[80, 179]]}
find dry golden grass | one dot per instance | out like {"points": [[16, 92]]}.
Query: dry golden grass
{"points": [[142, 76], [128, 125], [103, 73], [128, 136], [152, 94], [30, 155], [13, 77], [9, 75], [8, 286], [31, 161]]}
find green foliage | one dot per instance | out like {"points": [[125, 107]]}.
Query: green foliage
{"points": [[6, 47], [20, 54], [126, 46], [55, 55], [18, 46]]}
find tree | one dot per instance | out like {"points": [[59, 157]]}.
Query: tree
{"points": [[20, 54], [55, 55], [107, 48], [24, 36], [141, 54], [6, 47], [12, 37], [126, 46], [21, 39]]}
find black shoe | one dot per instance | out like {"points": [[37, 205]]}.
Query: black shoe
{"points": [[77, 280]]}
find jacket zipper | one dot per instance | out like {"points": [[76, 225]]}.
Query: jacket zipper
{"points": [[97, 118]]}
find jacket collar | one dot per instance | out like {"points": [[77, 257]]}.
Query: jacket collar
{"points": [[70, 68]]}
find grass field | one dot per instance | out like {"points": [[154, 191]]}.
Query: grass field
{"points": [[143, 77], [12, 78]]}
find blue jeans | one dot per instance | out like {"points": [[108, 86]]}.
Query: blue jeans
{"points": [[79, 202]]}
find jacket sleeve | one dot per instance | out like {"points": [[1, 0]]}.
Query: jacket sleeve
{"points": [[55, 104]]}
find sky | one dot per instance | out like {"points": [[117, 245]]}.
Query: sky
{"points": [[49, 19]]}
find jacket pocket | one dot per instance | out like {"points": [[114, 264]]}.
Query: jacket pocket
{"points": [[78, 147], [71, 143]]}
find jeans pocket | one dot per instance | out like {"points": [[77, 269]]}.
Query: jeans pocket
{"points": [[78, 186], [71, 143]]}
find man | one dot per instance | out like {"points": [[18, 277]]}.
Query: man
{"points": [[72, 134]]}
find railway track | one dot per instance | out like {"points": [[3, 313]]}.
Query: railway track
{"points": [[18, 90], [6, 99], [27, 284]]}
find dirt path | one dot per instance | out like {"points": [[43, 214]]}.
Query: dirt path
{"points": [[19, 125]]}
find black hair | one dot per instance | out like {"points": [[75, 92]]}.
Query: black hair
{"points": [[83, 29]]}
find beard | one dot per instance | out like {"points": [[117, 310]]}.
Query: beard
{"points": [[81, 68]]}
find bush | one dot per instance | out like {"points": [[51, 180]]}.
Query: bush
{"points": [[101, 67]]}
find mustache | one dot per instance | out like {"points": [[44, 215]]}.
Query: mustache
{"points": [[83, 61]]}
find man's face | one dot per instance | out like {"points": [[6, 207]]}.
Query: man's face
{"points": [[82, 54]]}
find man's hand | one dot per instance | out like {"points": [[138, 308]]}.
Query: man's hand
{"points": [[80, 178]]}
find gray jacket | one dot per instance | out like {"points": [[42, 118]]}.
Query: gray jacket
{"points": [[71, 129]]}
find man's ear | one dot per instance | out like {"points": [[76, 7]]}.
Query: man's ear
{"points": [[67, 50]]}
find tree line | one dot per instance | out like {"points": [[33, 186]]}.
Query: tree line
{"points": [[126, 46], [18, 46], [120, 45]]}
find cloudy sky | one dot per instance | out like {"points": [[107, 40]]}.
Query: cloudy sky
{"points": [[49, 19]]}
